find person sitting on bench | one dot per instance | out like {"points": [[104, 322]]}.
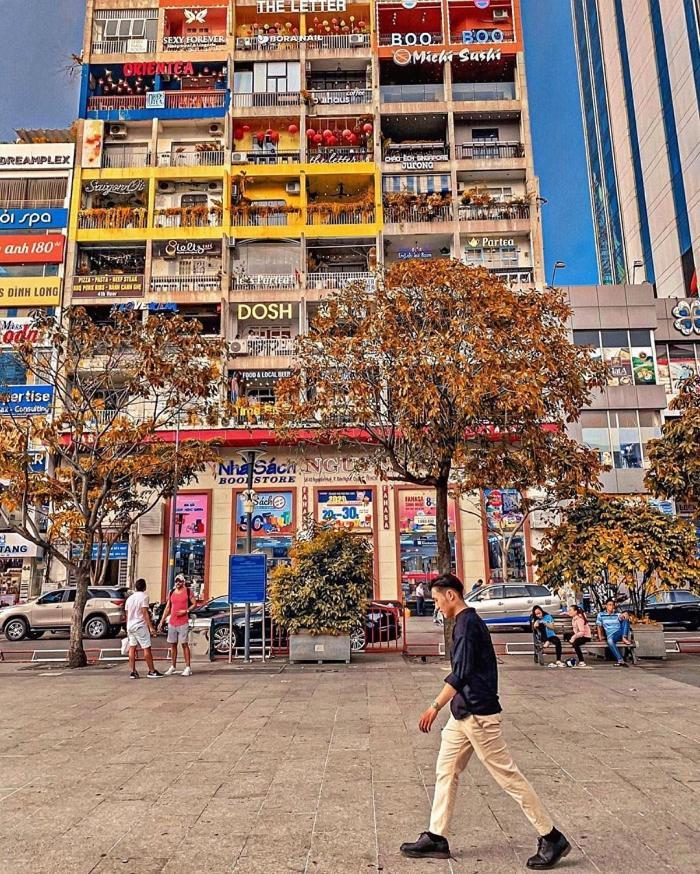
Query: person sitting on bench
{"points": [[580, 634], [543, 628], [616, 629]]}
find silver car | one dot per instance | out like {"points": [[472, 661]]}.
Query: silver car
{"points": [[509, 606]]}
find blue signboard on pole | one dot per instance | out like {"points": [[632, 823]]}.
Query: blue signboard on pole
{"points": [[247, 579]]}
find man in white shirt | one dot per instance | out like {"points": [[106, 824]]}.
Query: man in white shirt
{"points": [[139, 629]]}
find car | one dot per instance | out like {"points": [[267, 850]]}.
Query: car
{"points": [[679, 607], [509, 605], [104, 614], [381, 626]]}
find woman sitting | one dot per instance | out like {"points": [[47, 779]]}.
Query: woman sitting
{"points": [[580, 634], [543, 629]]}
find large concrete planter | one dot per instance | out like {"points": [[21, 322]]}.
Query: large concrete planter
{"points": [[307, 647], [650, 641]]}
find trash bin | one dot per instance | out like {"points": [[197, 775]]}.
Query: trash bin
{"points": [[199, 643]]}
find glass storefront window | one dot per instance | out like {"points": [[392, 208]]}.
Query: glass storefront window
{"points": [[273, 526], [625, 440], [616, 353], [350, 509], [503, 516], [662, 363], [595, 434], [516, 558], [418, 540], [682, 362], [642, 358], [191, 529], [650, 429]]}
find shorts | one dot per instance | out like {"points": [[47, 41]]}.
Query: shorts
{"points": [[178, 634], [139, 635]]}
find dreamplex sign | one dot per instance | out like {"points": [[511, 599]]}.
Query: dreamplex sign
{"points": [[404, 57]]}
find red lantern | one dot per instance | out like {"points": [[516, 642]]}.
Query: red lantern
{"points": [[269, 132], [367, 128], [260, 137], [310, 133], [332, 141], [293, 129], [238, 133], [318, 139], [354, 139], [245, 128], [347, 133], [274, 136], [327, 133]]}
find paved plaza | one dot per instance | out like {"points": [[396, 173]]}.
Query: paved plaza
{"points": [[322, 769]]}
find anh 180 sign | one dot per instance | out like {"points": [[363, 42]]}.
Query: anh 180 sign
{"points": [[28, 249]]}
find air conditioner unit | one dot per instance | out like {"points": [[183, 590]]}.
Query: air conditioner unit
{"points": [[118, 131], [239, 157], [239, 347], [152, 522], [501, 15], [216, 130], [293, 188], [356, 39], [213, 186], [166, 187]]}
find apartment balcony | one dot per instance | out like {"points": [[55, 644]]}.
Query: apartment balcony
{"points": [[123, 46], [338, 41], [485, 150], [494, 212], [192, 156], [412, 93], [266, 347], [194, 284], [267, 100], [318, 214], [340, 280], [341, 97], [188, 217], [268, 281], [159, 104], [469, 92], [121, 157], [270, 158], [115, 218], [264, 216], [423, 214]]}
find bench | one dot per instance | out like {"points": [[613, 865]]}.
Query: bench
{"points": [[599, 648]]}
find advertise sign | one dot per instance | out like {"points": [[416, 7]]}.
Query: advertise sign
{"points": [[42, 219], [191, 512], [643, 365], [18, 330], [123, 285], [503, 511], [17, 249], [247, 579], [202, 42], [93, 143], [119, 551], [25, 400], [30, 291], [273, 515], [350, 509], [158, 68], [491, 242], [416, 252], [186, 248], [16, 546], [417, 512]]}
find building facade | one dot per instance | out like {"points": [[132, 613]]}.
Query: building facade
{"points": [[35, 194], [639, 75]]}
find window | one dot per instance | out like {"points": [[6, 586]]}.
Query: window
{"points": [[55, 597], [276, 77], [273, 525], [619, 436], [594, 427], [628, 354], [680, 597], [417, 537], [625, 440], [517, 592], [539, 591], [484, 133], [616, 354], [191, 541]]}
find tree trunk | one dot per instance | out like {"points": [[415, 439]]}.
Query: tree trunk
{"points": [[76, 653], [444, 553], [505, 547]]}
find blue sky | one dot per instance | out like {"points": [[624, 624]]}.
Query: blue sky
{"points": [[53, 30]]}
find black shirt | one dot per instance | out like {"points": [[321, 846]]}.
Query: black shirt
{"points": [[474, 670]]}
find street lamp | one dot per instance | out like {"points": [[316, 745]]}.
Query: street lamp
{"points": [[250, 457], [558, 265], [635, 266]]}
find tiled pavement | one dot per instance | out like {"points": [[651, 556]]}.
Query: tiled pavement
{"points": [[323, 770]]}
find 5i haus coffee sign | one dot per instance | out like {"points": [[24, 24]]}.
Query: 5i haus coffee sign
{"points": [[121, 285], [21, 249]]}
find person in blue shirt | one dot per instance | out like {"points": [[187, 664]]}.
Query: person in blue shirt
{"points": [[615, 627], [543, 626]]}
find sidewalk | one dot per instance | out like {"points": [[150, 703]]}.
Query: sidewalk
{"points": [[323, 770]]}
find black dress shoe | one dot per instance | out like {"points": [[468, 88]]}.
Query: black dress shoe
{"points": [[549, 852], [428, 846]]}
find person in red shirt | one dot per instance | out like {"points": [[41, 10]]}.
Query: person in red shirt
{"points": [[180, 602]]}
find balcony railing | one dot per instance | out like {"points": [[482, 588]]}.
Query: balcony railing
{"points": [[339, 155], [484, 150], [516, 278], [469, 91], [436, 39], [342, 96], [263, 43], [119, 218], [191, 156], [340, 280], [120, 157], [264, 346], [265, 217], [349, 216], [33, 203], [123, 46], [188, 217], [494, 212], [196, 283], [273, 157], [412, 93], [339, 41], [264, 280], [404, 214], [265, 98], [173, 100]]}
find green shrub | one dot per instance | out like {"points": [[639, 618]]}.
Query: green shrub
{"points": [[328, 587]]}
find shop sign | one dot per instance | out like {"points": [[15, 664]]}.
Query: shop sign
{"points": [[503, 510], [159, 68], [155, 100], [29, 291], [332, 157], [119, 551], [411, 39], [279, 38], [194, 41], [273, 515], [32, 250], [191, 512], [97, 186], [263, 312], [349, 509], [37, 461], [16, 546], [122, 285], [403, 57], [25, 400], [687, 315], [18, 330], [351, 95], [22, 161], [482, 35], [415, 252], [266, 471], [151, 307], [491, 243], [275, 7], [186, 248], [36, 219], [417, 512]]}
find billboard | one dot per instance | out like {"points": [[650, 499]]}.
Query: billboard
{"points": [[417, 512], [30, 291], [191, 515], [273, 515], [42, 219], [30, 249], [351, 509], [25, 400]]}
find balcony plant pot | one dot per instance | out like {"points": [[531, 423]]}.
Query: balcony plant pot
{"points": [[307, 647], [650, 640]]}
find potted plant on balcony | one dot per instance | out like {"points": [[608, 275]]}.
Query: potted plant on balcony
{"points": [[324, 595]]}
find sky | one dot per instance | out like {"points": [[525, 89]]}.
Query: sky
{"points": [[44, 39]]}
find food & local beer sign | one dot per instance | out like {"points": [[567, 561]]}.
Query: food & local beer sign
{"points": [[47, 249]]}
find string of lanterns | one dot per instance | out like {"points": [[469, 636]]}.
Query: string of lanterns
{"points": [[335, 25], [359, 134], [139, 84]]}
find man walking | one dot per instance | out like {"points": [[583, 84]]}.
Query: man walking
{"points": [[616, 630], [420, 599], [139, 629], [180, 602], [471, 690]]}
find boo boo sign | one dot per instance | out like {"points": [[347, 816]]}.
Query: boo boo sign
{"points": [[274, 7]]}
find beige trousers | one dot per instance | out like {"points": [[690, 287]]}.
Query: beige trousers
{"points": [[482, 735]]}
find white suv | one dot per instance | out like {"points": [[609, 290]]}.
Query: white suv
{"points": [[510, 605]]}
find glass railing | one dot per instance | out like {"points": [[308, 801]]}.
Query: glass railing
{"points": [[483, 91], [411, 93]]}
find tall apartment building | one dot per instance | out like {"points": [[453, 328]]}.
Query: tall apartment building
{"points": [[237, 161], [35, 193], [639, 72]]}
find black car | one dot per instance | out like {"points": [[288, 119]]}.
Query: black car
{"points": [[680, 607]]}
